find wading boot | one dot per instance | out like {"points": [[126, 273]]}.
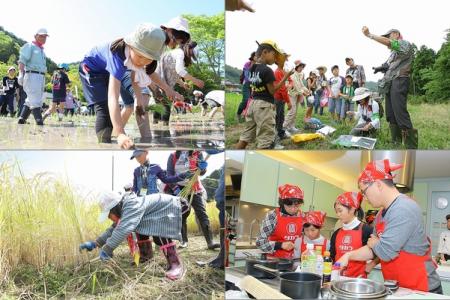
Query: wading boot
{"points": [[219, 261], [24, 114], [37, 116], [209, 237], [410, 138], [396, 134], [145, 250]]}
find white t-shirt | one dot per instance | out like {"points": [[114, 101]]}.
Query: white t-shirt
{"points": [[335, 84]]}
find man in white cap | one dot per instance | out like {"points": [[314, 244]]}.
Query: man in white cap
{"points": [[368, 114], [32, 69], [157, 215], [395, 85]]}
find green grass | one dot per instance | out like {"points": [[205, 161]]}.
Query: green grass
{"points": [[431, 120]]}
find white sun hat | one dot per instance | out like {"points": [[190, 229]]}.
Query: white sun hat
{"points": [[361, 93], [106, 202], [177, 23], [148, 39]]}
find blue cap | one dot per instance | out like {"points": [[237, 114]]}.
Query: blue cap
{"points": [[137, 153]]}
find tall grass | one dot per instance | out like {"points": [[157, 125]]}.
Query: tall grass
{"points": [[42, 220]]}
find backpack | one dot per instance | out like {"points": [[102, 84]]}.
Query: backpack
{"points": [[241, 78]]}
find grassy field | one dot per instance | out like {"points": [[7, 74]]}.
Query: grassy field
{"points": [[431, 120], [42, 223]]}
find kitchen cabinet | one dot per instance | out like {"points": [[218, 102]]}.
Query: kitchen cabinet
{"points": [[259, 180], [420, 194], [294, 176], [262, 175], [325, 195]]}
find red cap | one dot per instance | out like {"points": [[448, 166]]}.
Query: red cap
{"points": [[315, 218], [350, 199], [287, 191], [378, 169]]}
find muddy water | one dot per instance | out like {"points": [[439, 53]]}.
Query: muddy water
{"points": [[184, 131]]}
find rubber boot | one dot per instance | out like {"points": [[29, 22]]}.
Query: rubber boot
{"points": [[26, 111], [410, 138], [209, 238], [396, 134], [38, 116], [219, 261], [176, 270], [145, 250]]}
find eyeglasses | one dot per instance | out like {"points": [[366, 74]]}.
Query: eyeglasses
{"points": [[363, 192], [289, 202]]}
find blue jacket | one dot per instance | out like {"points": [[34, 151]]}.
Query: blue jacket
{"points": [[154, 172]]}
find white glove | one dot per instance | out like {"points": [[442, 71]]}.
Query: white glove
{"points": [[20, 78]]}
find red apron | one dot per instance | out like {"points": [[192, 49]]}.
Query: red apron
{"points": [[324, 246], [407, 268], [346, 241], [288, 229]]}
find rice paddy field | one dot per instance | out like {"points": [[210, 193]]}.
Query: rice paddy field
{"points": [[190, 130], [42, 222]]}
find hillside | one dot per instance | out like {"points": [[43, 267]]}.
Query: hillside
{"points": [[232, 74]]}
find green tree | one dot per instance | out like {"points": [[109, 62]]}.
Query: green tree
{"points": [[209, 33], [438, 87], [423, 62]]}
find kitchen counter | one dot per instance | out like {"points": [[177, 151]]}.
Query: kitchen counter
{"points": [[235, 274], [444, 272]]}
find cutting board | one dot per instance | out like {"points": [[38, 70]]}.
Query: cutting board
{"points": [[259, 289]]}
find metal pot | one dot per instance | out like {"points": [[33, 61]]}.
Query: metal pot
{"points": [[297, 285], [272, 263], [358, 288]]}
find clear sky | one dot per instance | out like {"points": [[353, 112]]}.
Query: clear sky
{"points": [[325, 32], [91, 171], [76, 26]]}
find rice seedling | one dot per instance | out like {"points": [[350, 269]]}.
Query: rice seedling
{"points": [[156, 108]]}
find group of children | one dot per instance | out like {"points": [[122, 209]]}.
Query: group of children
{"points": [[276, 239], [12, 95], [266, 92]]}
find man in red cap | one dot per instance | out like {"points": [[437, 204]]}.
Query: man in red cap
{"points": [[399, 239], [283, 225]]}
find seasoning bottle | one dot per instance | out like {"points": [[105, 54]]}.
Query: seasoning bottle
{"points": [[335, 272], [327, 267]]}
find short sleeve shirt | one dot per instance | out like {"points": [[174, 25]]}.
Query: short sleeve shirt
{"points": [[59, 83], [10, 85], [260, 76], [33, 57], [101, 60]]}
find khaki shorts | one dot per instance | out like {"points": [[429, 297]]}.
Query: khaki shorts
{"points": [[259, 124]]}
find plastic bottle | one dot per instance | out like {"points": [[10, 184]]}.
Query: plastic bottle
{"points": [[335, 272], [319, 261], [327, 266], [309, 259]]}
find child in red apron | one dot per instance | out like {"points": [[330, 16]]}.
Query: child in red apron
{"points": [[314, 221], [352, 235], [282, 226]]}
